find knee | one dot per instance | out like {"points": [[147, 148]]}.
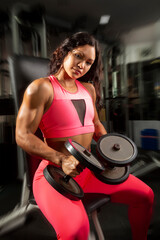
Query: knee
{"points": [[145, 197], [82, 231], [79, 230], [150, 197]]}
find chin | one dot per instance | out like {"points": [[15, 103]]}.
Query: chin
{"points": [[74, 76]]}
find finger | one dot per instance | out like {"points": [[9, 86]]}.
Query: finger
{"points": [[76, 162], [80, 167], [72, 166], [74, 174]]}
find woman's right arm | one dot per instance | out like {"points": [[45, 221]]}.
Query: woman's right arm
{"points": [[29, 117], [36, 98]]}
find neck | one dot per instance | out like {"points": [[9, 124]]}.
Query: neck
{"points": [[64, 79], [67, 82]]}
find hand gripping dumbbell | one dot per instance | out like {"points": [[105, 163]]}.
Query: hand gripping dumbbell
{"points": [[115, 152]]}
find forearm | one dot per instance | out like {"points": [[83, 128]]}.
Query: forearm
{"points": [[99, 131], [35, 146]]}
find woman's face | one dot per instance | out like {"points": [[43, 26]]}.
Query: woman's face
{"points": [[79, 61]]}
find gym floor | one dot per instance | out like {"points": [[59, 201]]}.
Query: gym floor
{"points": [[113, 217]]}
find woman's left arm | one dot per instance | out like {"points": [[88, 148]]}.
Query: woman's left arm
{"points": [[99, 128]]}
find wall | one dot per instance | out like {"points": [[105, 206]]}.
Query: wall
{"points": [[142, 43]]}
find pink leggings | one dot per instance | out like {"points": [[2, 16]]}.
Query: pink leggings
{"points": [[69, 218]]}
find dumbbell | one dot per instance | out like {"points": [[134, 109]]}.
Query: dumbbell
{"points": [[111, 167], [116, 152], [65, 184]]}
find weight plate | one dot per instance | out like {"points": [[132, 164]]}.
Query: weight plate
{"points": [[116, 149], [84, 156], [56, 178], [115, 175]]}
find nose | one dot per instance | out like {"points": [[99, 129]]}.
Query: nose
{"points": [[81, 64]]}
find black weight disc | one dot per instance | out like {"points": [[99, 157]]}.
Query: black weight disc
{"points": [[84, 156], [115, 175], [56, 178], [116, 149]]}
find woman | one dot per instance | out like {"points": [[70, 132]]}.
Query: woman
{"points": [[64, 107]]}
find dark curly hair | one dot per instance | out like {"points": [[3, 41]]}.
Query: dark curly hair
{"points": [[74, 41]]}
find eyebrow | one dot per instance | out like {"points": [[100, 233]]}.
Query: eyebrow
{"points": [[84, 54]]}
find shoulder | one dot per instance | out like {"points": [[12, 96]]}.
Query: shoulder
{"points": [[40, 89], [39, 86], [90, 88]]}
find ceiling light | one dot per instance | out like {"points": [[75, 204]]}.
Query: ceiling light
{"points": [[104, 19]]}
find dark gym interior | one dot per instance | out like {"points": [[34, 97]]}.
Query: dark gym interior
{"points": [[130, 43]]}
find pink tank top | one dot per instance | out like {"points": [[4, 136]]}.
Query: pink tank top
{"points": [[70, 114]]}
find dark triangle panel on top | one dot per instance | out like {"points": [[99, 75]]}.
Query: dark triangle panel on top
{"points": [[80, 107]]}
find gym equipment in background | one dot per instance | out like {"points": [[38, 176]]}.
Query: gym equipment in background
{"points": [[28, 30]]}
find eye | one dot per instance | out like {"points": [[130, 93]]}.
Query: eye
{"points": [[77, 55], [89, 63]]}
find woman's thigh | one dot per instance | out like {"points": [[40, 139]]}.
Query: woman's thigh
{"points": [[131, 191], [60, 211]]}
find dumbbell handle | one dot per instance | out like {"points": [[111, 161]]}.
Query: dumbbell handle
{"points": [[116, 147], [66, 178]]}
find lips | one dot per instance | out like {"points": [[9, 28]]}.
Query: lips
{"points": [[77, 71]]}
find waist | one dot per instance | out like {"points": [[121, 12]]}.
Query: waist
{"points": [[58, 143]]}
